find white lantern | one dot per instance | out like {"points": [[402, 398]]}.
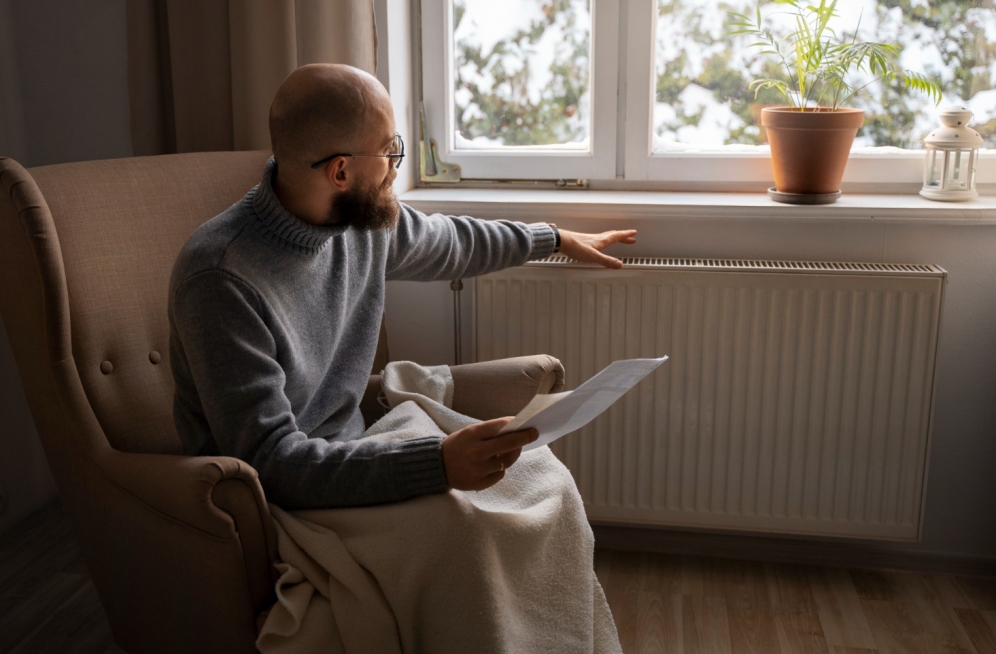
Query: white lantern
{"points": [[952, 150]]}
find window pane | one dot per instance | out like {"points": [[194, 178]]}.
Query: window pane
{"points": [[521, 73], [702, 76]]}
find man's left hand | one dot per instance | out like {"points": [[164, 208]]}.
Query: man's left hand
{"points": [[588, 248]]}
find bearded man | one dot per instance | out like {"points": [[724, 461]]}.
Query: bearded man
{"points": [[275, 306]]}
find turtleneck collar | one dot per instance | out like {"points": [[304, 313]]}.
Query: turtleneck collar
{"points": [[279, 225]]}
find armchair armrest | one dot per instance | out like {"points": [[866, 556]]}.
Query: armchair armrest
{"points": [[489, 389], [220, 496], [492, 389]]}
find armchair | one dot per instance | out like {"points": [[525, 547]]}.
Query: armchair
{"points": [[180, 548]]}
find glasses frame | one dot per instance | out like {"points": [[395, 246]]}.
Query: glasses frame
{"points": [[397, 157]]}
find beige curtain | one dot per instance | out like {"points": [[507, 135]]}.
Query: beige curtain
{"points": [[202, 73]]}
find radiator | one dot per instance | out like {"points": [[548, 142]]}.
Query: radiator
{"points": [[797, 398]]}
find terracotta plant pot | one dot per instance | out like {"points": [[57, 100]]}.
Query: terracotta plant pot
{"points": [[809, 149]]}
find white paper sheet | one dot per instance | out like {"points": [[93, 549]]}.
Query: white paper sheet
{"points": [[557, 414]]}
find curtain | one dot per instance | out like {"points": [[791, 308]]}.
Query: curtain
{"points": [[202, 73]]}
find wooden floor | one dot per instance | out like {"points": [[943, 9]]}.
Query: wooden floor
{"points": [[661, 603], [676, 604], [47, 602]]}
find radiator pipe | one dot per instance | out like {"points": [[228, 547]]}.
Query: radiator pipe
{"points": [[456, 286]]}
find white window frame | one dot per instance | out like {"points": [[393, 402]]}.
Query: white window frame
{"points": [[864, 167], [599, 162], [868, 169]]}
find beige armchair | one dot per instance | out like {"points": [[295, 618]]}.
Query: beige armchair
{"points": [[180, 548]]}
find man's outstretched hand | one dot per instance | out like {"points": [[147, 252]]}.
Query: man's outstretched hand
{"points": [[588, 247], [475, 458]]}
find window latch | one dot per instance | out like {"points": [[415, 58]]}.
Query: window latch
{"points": [[431, 169]]}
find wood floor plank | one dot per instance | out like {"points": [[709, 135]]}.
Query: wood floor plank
{"points": [[62, 557], [25, 563], [949, 592], [705, 626], [23, 619], [800, 634], [990, 617], [789, 589], [661, 573], [691, 576], [852, 650], [79, 626], [748, 607], [900, 628], [873, 584], [839, 608], [937, 618], [894, 627], [603, 566], [48, 517], [658, 623], [981, 630], [796, 619], [980, 592], [621, 583]]}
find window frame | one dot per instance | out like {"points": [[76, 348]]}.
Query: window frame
{"points": [[599, 162], [622, 108], [866, 167]]}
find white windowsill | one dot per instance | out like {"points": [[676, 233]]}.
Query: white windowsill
{"points": [[549, 205]]}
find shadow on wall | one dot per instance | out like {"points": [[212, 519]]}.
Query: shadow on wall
{"points": [[63, 97], [25, 480], [63, 81]]}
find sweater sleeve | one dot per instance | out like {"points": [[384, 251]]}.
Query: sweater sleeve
{"points": [[428, 248], [221, 341]]}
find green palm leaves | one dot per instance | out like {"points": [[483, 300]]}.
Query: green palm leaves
{"points": [[819, 67]]}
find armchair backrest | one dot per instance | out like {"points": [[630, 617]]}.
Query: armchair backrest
{"points": [[104, 236]]}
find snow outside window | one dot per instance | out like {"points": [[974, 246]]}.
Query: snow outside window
{"points": [[528, 89]]}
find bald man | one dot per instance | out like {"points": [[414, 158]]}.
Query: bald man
{"points": [[275, 306]]}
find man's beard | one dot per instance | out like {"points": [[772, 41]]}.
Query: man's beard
{"points": [[366, 209]]}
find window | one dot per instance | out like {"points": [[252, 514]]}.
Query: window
{"points": [[521, 89], [522, 78], [534, 89]]}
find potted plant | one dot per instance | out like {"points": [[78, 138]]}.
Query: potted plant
{"points": [[811, 137]]}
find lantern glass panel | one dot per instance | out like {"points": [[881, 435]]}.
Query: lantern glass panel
{"points": [[933, 168], [959, 169]]}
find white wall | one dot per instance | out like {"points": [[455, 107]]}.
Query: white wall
{"points": [[420, 322], [960, 516]]}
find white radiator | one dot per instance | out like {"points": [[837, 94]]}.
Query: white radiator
{"points": [[797, 398]]}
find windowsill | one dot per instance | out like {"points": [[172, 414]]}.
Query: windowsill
{"points": [[549, 205]]}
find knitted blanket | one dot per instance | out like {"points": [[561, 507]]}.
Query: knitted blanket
{"points": [[504, 570]]}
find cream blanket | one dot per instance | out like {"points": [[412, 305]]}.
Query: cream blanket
{"points": [[507, 569]]}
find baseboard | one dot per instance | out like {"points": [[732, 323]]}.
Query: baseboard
{"points": [[837, 553]]}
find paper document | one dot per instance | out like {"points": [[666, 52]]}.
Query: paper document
{"points": [[557, 414]]}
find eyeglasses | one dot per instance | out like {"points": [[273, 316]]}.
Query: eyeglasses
{"points": [[397, 155]]}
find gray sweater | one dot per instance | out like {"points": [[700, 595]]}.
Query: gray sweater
{"points": [[273, 330]]}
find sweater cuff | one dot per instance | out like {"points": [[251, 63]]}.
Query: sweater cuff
{"points": [[420, 470], [544, 241]]}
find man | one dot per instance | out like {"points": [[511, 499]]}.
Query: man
{"points": [[275, 306]]}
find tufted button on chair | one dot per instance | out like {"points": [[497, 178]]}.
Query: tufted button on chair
{"points": [[180, 548]]}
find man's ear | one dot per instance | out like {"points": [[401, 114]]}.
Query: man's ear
{"points": [[337, 173]]}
